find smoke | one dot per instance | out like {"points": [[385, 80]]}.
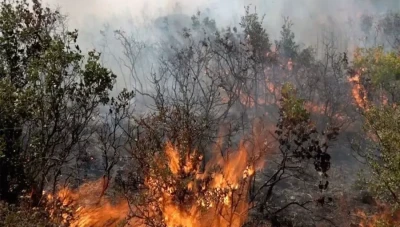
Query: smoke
{"points": [[310, 17], [89, 15], [313, 21]]}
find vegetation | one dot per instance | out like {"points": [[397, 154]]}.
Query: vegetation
{"points": [[49, 94], [381, 121], [236, 131], [379, 70]]}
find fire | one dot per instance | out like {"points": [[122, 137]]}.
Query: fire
{"points": [[384, 217], [214, 197], [358, 91], [315, 108], [85, 207], [173, 158], [269, 94], [290, 64]]}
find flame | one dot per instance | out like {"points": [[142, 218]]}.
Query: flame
{"points": [[384, 217], [269, 94], [173, 157], [85, 207], [358, 91], [315, 108], [290, 64], [219, 194]]}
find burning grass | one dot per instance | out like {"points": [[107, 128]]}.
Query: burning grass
{"points": [[382, 217]]}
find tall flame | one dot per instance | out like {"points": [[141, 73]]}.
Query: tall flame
{"points": [[358, 91]]}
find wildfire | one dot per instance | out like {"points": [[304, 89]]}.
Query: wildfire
{"points": [[214, 198], [385, 217], [85, 207], [290, 64], [269, 94], [358, 92], [315, 108], [185, 196]]}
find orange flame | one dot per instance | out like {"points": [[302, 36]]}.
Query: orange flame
{"points": [[87, 208], [384, 217], [220, 202], [220, 196], [358, 92]]}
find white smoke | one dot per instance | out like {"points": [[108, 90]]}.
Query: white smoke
{"points": [[311, 19]]}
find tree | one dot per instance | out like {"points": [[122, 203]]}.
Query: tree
{"points": [[196, 89], [381, 30], [384, 156], [379, 72], [298, 142], [257, 45], [172, 146], [287, 45], [50, 93], [390, 26]]}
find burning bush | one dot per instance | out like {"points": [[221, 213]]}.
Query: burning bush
{"points": [[382, 216], [181, 186], [194, 158], [174, 192]]}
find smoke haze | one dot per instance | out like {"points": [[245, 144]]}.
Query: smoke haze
{"points": [[312, 19], [89, 15]]}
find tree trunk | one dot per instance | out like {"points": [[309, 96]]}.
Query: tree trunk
{"points": [[36, 194]]}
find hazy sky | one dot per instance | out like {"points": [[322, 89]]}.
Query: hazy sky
{"points": [[308, 16], [81, 11], [89, 15]]}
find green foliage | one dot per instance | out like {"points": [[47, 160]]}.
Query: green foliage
{"points": [[379, 73], [298, 134], [383, 68], [292, 106], [300, 141], [256, 34], [384, 158], [287, 46], [49, 93]]}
